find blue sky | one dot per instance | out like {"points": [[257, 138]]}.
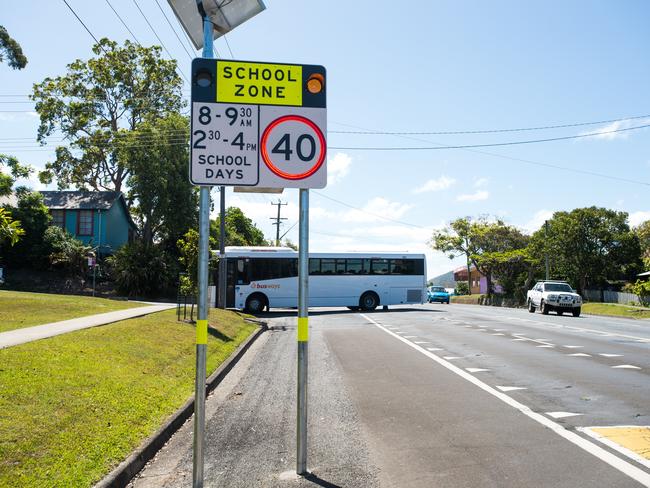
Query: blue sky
{"points": [[412, 67]]}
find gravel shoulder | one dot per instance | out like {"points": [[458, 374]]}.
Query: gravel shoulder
{"points": [[250, 437]]}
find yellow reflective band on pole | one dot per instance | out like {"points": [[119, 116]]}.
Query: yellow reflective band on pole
{"points": [[303, 329], [201, 331]]}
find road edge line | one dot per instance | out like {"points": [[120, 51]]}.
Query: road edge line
{"points": [[122, 475], [623, 466]]}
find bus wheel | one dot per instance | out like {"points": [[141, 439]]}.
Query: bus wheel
{"points": [[256, 303], [368, 301]]}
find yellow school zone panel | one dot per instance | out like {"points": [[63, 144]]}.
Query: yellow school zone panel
{"points": [[635, 439], [259, 83]]}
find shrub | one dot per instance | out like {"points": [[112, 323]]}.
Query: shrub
{"points": [[462, 288], [642, 290], [142, 270], [67, 254]]}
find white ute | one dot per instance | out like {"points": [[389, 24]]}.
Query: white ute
{"points": [[554, 295]]}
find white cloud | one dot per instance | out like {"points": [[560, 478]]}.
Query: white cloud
{"points": [[438, 184], [637, 218], [338, 166], [480, 182], [618, 125], [538, 220], [375, 209], [473, 197]]}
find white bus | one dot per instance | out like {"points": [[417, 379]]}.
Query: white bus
{"points": [[260, 278]]}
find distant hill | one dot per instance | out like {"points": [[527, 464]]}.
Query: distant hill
{"points": [[446, 280]]}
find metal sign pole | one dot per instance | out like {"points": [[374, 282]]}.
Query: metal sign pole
{"points": [[303, 332], [221, 285], [202, 313]]}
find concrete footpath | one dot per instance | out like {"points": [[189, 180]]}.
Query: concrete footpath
{"points": [[29, 334]]}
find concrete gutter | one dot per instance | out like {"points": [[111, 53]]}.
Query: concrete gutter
{"points": [[127, 469]]}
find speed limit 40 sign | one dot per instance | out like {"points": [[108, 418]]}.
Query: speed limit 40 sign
{"points": [[258, 124]]}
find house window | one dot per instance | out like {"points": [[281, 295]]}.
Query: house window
{"points": [[58, 218], [85, 223]]}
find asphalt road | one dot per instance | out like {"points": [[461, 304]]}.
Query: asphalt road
{"points": [[429, 396]]}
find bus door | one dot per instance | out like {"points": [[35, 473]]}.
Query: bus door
{"points": [[231, 279]]}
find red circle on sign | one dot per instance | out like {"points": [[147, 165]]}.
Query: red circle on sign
{"points": [[267, 159]]}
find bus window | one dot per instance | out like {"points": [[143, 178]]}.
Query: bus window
{"points": [[354, 266], [379, 266], [314, 266], [327, 266], [402, 266], [340, 266], [273, 268], [366, 267]]}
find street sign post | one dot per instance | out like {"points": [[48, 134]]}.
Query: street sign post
{"points": [[264, 125], [258, 124]]}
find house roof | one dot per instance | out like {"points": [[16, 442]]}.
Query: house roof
{"points": [[9, 200], [647, 273], [80, 200], [85, 200]]}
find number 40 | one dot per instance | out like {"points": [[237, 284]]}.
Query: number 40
{"points": [[284, 147]]}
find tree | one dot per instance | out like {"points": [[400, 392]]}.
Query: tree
{"points": [[12, 50], [455, 240], [142, 270], [643, 234], [240, 230], [97, 104], [164, 201], [589, 246], [188, 247], [67, 254], [11, 230], [487, 245], [32, 250]]}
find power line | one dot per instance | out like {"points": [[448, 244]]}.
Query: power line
{"points": [[495, 144], [488, 131], [366, 212], [528, 161], [159, 40], [85, 27], [228, 45], [123, 23], [175, 33]]}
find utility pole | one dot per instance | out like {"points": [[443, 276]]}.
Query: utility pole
{"points": [[277, 222], [546, 247]]}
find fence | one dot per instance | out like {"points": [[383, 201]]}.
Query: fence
{"points": [[607, 296]]}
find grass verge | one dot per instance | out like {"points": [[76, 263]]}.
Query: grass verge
{"points": [[74, 406], [616, 310], [467, 299], [21, 309]]}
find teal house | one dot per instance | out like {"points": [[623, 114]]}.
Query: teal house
{"points": [[97, 218]]}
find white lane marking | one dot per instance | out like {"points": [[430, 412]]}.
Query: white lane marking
{"points": [[497, 334], [617, 447], [605, 355], [594, 449], [410, 337], [468, 326], [625, 366], [574, 347], [482, 330], [546, 345], [580, 355], [498, 330], [421, 342], [579, 329], [476, 370], [449, 358], [520, 339], [434, 349], [511, 388], [561, 415]]}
